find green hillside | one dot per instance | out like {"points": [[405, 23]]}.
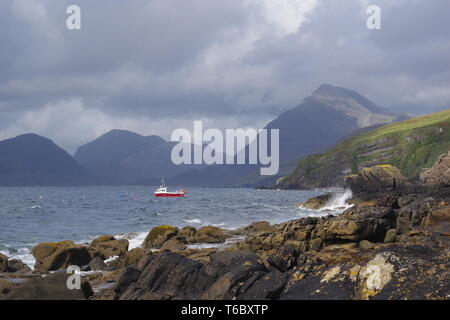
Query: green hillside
{"points": [[410, 145]]}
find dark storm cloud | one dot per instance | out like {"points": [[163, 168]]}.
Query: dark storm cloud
{"points": [[152, 66]]}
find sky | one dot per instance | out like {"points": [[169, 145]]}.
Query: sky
{"points": [[152, 66]]}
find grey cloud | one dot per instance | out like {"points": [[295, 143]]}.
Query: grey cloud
{"points": [[142, 63]]}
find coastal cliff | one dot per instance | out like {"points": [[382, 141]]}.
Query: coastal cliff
{"points": [[411, 145]]}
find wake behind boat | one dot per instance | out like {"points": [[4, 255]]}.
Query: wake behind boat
{"points": [[162, 192]]}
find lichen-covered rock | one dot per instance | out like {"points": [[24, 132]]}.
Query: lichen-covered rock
{"points": [[374, 276], [158, 235]]}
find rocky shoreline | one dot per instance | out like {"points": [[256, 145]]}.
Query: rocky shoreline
{"points": [[393, 243]]}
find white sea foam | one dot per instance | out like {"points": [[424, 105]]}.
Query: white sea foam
{"points": [[23, 254], [196, 221], [338, 202], [225, 244], [135, 239]]}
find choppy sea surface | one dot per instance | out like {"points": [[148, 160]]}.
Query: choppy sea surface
{"points": [[30, 215]]}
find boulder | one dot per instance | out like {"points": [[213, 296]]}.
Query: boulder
{"points": [[158, 235], [255, 228], [16, 265], [390, 236], [55, 256], [97, 264], [187, 232], [126, 277], [358, 223], [208, 234], [166, 275], [129, 258], [366, 245], [3, 263], [235, 269], [378, 181], [173, 244], [316, 202], [52, 287], [282, 258], [267, 287], [108, 246]]}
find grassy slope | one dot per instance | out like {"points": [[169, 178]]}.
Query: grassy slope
{"points": [[411, 145]]}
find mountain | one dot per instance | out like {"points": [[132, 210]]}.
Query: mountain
{"points": [[30, 159], [410, 145], [320, 121], [323, 119], [127, 157]]}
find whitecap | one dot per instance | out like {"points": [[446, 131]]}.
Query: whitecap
{"points": [[196, 221]]}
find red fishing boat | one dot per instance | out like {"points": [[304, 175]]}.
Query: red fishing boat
{"points": [[162, 192]]}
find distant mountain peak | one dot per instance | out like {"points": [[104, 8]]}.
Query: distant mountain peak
{"points": [[352, 104]]}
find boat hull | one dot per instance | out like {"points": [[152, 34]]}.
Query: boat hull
{"points": [[169, 195]]}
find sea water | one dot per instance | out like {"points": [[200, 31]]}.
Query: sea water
{"points": [[30, 215]]}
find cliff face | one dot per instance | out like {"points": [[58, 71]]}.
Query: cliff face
{"points": [[411, 145], [439, 174]]}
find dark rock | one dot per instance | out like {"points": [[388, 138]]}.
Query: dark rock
{"points": [[52, 287], [168, 275], [16, 265], [312, 288], [97, 264], [240, 266], [126, 277], [283, 258], [267, 287]]}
